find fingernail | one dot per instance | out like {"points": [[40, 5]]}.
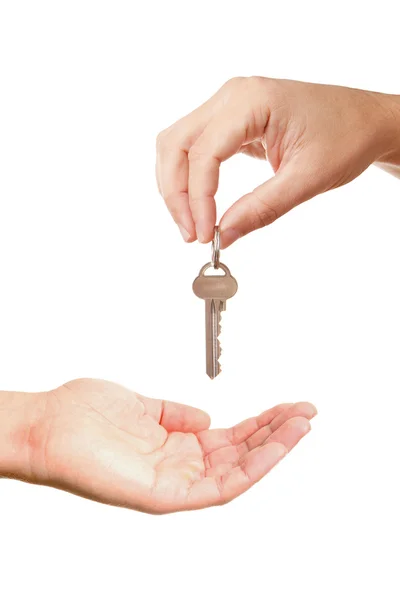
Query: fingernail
{"points": [[185, 234], [229, 236]]}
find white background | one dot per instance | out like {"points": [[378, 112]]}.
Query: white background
{"points": [[96, 282]]}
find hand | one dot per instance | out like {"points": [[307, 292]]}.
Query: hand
{"points": [[316, 137], [99, 440]]}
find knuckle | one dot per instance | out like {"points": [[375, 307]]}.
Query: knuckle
{"points": [[163, 139], [195, 202], [196, 154], [249, 85], [160, 140], [234, 82], [265, 88], [255, 82]]}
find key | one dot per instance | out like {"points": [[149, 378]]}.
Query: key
{"points": [[215, 290]]}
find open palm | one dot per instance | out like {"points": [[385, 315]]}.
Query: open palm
{"points": [[107, 443]]}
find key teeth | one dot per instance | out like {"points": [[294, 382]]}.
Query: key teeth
{"points": [[214, 309], [219, 343]]}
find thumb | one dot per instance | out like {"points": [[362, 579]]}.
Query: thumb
{"points": [[176, 417], [267, 202]]}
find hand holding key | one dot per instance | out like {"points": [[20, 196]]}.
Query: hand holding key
{"points": [[316, 138]]}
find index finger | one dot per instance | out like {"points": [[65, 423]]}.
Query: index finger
{"points": [[221, 139], [172, 178], [172, 168]]}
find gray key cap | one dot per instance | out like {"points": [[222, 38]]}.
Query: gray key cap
{"points": [[215, 290]]}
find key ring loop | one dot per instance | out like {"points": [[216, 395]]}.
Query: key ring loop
{"points": [[215, 248]]}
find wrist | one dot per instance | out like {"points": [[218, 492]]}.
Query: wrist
{"points": [[389, 118], [20, 440]]}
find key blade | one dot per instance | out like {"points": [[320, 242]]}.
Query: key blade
{"points": [[213, 329]]}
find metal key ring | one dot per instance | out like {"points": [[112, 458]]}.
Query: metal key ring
{"points": [[215, 248]]}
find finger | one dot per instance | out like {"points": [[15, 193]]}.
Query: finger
{"points": [[303, 410], [222, 138], [172, 168], [269, 201], [233, 453], [225, 487], [258, 462], [172, 178], [290, 433], [300, 409], [176, 417], [212, 440], [254, 466]]}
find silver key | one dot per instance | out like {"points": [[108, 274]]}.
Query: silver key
{"points": [[215, 290]]}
